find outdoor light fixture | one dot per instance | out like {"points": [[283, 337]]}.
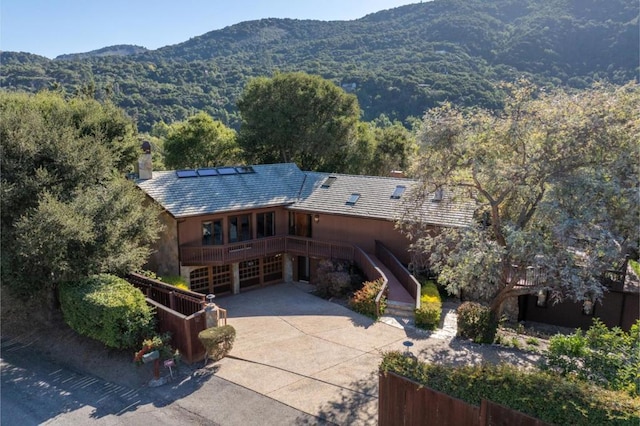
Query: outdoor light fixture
{"points": [[210, 298], [316, 218]]}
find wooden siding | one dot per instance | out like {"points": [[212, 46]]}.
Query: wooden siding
{"points": [[362, 232]]}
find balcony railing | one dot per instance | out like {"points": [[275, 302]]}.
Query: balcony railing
{"points": [[246, 250]]}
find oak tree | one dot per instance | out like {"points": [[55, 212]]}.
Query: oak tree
{"points": [[554, 176], [67, 210], [200, 141], [297, 117]]}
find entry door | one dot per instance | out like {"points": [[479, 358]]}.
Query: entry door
{"points": [[303, 268], [303, 225]]}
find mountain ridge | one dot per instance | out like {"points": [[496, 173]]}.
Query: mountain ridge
{"points": [[398, 62]]}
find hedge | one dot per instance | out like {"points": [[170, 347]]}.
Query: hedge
{"points": [[217, 341], [108, 309], [544, 395]]}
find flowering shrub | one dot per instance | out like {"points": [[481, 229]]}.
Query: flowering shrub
{"points": [[155, 343], [364, 300], [333, 278]]}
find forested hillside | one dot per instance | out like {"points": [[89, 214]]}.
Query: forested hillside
{"points": [[398, 62]]}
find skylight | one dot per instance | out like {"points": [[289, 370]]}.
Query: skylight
{"points": [[245, 169], [329, 181], [207, 172], [353, 199], [186, 173], [227, 171], [398, 192]]}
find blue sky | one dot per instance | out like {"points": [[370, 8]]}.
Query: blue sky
{"points": [[54, 27]]}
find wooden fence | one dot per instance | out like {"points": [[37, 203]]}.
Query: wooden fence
{"points": [[404, 402], [184, 331], [185, 302], [180, 312]]}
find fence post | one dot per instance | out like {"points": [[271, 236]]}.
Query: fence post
{"points": [[483, 420], [172, 301]]}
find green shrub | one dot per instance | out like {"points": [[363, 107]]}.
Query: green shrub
{"points": [[364, 300], [108, 309], [476, 322], [541, 394], [428, 316], [607, 357], [533, 341], [217, 341], [176, 281]]}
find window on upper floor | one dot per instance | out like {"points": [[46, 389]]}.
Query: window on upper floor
{"points": [[240, 228], [265, 225], [212, 232]]}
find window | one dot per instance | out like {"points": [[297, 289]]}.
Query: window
{"points": [[212, 233], [239, 228], [353, 199], [265, 225], [329, 181], [398, 192], [292, 223]]}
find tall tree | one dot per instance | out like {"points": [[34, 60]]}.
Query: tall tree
{"points": [[299, 118], [555, 180], [66, 210], [200, 141], [395, 148]]}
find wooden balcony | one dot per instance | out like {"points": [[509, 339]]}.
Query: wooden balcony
{"points": [[247, 250]]}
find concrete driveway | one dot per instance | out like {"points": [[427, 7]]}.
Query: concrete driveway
{"points": [[322, 358], [313, 355]]}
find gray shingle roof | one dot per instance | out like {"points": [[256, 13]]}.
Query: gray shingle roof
{"points": [[270, 185], [286, 185], [375, 200]]}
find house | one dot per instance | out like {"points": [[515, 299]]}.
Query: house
{"points": [[228, 229]]}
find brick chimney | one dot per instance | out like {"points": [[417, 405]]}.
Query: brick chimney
{"points": [[397, 174]]}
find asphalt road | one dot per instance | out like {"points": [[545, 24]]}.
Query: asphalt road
{"points": [[36, 390]]}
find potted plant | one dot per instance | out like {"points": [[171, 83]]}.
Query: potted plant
{"points": [[154, 350]]}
